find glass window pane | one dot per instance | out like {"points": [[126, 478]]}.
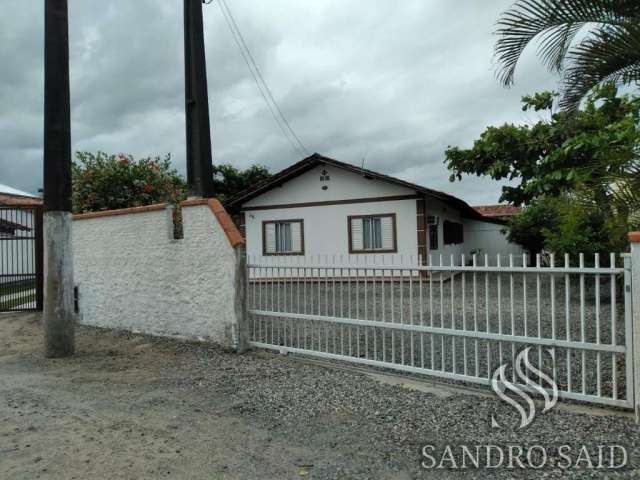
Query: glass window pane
{"points": [[366, 234], [287, 237], [377, 229]]}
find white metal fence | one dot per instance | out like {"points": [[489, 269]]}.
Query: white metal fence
{"points": [[456, 318]]}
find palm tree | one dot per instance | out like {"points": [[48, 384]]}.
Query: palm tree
{"points": [[586, 41]]}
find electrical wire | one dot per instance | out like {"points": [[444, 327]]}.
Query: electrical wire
{"points": [[264, 89]]}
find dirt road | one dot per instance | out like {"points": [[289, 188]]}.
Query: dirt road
{"points": [[130, 406]]}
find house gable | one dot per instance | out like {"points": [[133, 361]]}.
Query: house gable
{"points": [[328, 183]]}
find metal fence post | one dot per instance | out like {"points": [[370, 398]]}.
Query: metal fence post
{"points": [[634, 240], [39, 257], [241, 285]]}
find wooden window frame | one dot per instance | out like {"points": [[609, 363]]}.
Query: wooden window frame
{"points": [[282, 254], [377, 215]]}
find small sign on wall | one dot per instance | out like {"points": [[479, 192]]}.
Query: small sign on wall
{"points": [[324, 178]]}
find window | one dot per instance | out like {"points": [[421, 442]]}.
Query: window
{"points": [[452, 233], [433, 237], [372, 233], [283, 237]]}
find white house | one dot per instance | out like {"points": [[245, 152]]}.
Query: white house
{"points": [[320, 207]]}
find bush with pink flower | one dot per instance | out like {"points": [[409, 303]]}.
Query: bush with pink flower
{"points": [[106, 182]]}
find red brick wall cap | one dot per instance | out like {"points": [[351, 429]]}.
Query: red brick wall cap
{"points": [[634, 236], [229, 228]]}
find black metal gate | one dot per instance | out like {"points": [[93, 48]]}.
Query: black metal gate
{"points": [[21, 250]]}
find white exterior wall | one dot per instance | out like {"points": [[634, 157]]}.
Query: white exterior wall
{"points": [[133, 275], [488, 239], [445, 212], [326, 232], [325, 227]]}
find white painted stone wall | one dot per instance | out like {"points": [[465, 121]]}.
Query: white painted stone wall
{"points": [[133, 275]]}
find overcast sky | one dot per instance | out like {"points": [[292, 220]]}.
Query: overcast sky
{"points": [[395, 81]]}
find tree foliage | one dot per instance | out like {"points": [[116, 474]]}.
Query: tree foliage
{"points": [[229, 181], [587, 41], [106, 182], [565, 225], [577, 173], [592, 149]]}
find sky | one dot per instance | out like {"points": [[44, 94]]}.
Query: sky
{"points": [[393, 82]]}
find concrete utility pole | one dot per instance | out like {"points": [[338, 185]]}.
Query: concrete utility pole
{"points": [[58, 315], [199, 161]]}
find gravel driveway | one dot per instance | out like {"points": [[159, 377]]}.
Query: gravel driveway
{"points": [[131, 406]]}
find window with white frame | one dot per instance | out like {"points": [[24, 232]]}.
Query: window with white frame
{"points": [[372, 233], [283, 237]]}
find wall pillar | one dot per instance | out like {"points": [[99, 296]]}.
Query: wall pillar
{"points": [[241, 286]]}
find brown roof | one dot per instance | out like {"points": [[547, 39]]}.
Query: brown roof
{"points": [[11, 200], [498, 210], [306, 164]]}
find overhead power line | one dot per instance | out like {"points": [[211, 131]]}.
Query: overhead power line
{"points": [[264, 89]]}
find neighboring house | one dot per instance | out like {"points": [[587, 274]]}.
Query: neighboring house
{"points": [[330, 210], [9, 229], [500, 211], [10, 196], [17, 228]]}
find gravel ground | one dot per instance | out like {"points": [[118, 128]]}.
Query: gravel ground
{"points": [[509, 303], [131, 406]]}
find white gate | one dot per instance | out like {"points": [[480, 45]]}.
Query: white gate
{"points": [[456, 318]]}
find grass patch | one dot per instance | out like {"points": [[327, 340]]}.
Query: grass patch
{"points": [[17, 302]]}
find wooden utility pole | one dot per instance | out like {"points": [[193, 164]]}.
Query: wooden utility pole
{"points": [[199, 161], [58, 315]]}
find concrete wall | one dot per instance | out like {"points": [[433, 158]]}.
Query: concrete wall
{"points": [[133, 275]]}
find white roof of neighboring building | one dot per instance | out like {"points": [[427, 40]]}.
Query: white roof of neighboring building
{"points": [[7, 190]]}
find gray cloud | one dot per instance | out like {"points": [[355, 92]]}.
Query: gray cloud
{"points": [[395, 81]]}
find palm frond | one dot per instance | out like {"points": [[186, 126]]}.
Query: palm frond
{"points": [[555, 23], [611, 53]]}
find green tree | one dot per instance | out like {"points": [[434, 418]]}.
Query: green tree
{"points": [[528, 228], [229, 181], [106, 182], [592, 150], [587, 42]]}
